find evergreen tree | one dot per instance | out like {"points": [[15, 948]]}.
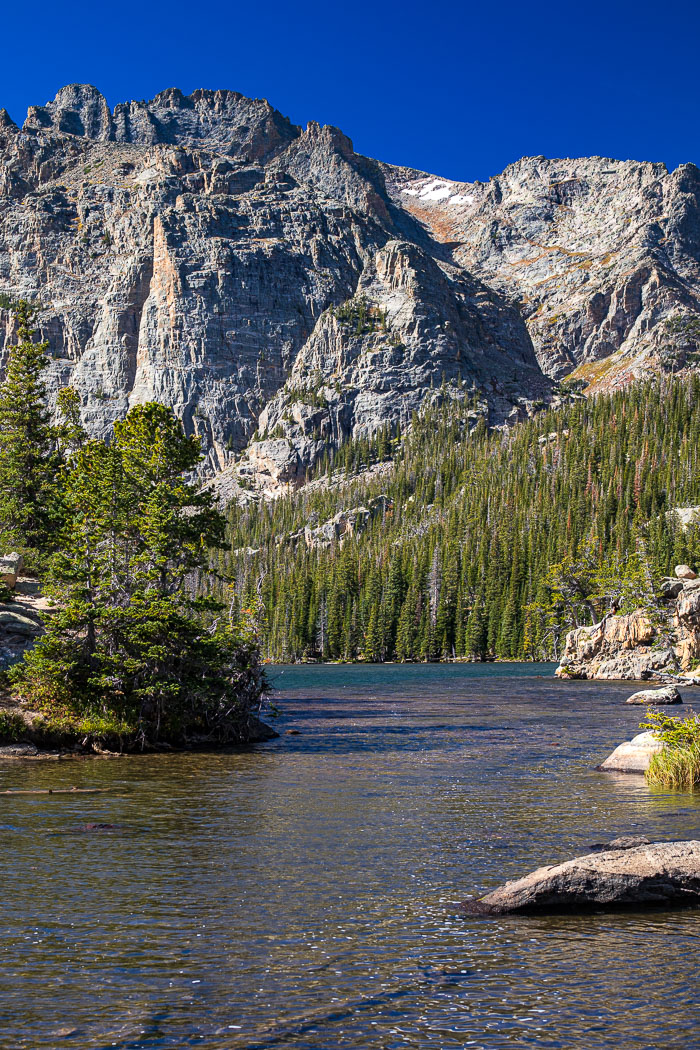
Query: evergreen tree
{"points": [[29, 461], [130, 641], [476, 638], [492, 543]]}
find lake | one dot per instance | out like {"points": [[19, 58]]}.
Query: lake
{"points": [[305, 894]]}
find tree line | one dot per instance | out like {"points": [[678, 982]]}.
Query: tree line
{"points": [[490, 544]]}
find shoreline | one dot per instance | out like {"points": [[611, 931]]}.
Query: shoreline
{"points": [[29, 746]]}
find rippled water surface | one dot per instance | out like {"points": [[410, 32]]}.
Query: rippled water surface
{"points": [[305, 894]]}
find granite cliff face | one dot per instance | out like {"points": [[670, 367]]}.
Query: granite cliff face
{"points": [[601, 256], [265, 280], [635, 646]]}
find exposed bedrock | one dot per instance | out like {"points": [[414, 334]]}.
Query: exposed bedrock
{"points": [[188, 250], [638, 645]]}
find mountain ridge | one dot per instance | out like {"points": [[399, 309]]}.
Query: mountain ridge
{"points": [[196, 249]]}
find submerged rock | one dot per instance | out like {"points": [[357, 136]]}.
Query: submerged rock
{"points": [[260, 731], [658, 874], [668, 695], [633, 756], [19, 750], [623, 842]]}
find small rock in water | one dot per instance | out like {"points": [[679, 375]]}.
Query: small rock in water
{"points": [[623, 842], [668, 695], [651, 875], [18, 751]]}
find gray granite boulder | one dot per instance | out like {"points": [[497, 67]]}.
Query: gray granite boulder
{"points": [[12, 622], [10, 568], [659, 874], [668, 695]]}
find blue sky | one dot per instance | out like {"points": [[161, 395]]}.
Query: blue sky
{"points": [[458, 89]]}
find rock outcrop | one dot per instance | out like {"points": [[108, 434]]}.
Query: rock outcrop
{"points": [[650, 875], [601, 255], [204, 252], [413, 330], [21, 620], [186, 250], [637, 646], [617, 647], [341, 526], [10, 568]]}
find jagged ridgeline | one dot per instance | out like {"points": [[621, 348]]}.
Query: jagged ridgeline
{"points": [[475, 543], [284, 294]]}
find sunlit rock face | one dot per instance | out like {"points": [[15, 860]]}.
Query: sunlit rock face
{"points": [[601, 256], [198, 251], [634, 647]]}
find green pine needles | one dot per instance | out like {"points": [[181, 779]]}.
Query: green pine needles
{"points": [[29, 460], [129, 638], [493, 544]]}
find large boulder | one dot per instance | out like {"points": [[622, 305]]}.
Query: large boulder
{"points": [[633, 756], [13, 622], [684, 572], [668, 695], [21, 626], [624, 647], [659, 874], [10, 568]]}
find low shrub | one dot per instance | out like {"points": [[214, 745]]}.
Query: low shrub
{"points": [[12, 727], [65, 728], [678, 765]]}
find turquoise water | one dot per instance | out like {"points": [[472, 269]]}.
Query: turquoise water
{"points": [[306, 894]]}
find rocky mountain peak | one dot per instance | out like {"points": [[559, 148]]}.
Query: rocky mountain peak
{"points": [[77, 109], [6, 121], [223, 120], [203, 251]]}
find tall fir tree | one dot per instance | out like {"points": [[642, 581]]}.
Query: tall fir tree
{"points": [[29, 459]]}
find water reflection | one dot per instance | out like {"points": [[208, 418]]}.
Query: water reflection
{"points": [[307, 894]]}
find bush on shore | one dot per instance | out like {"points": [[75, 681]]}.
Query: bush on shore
{"points": [[677, 766]]}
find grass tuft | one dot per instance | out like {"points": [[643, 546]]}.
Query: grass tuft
{"points": [[677, 766]]}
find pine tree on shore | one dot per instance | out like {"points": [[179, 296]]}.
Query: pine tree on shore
{"points": [[129, 642]]}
